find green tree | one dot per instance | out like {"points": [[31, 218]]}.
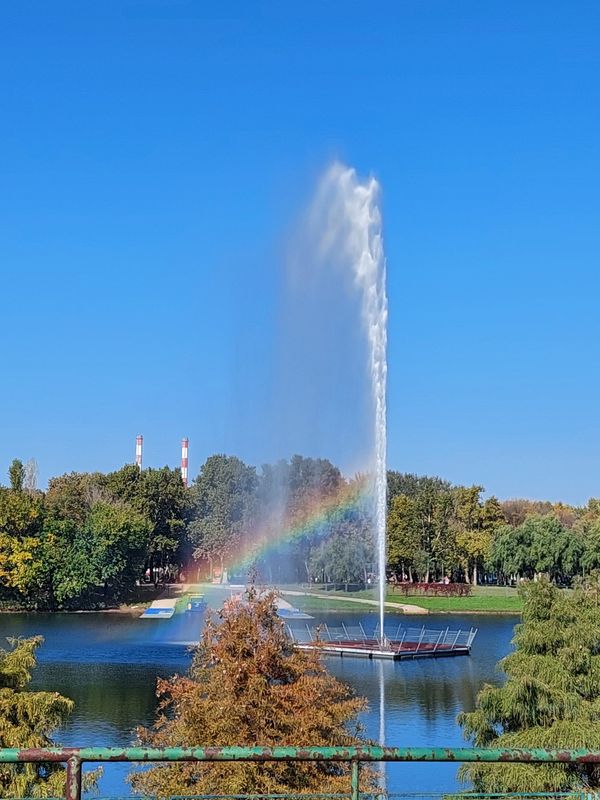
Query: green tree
{"points": [[472, 539], [16, 474], [539, 546], [222, 499], [551, 697], [421, 533], [285, 491], [70, 496], [343, 557], [403, 535], [118, 537], [26, 721], [106, 552], [413, 485], [249, 686], [160, 496]]}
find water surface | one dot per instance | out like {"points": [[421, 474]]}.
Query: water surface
{"points": [[108, 664]]}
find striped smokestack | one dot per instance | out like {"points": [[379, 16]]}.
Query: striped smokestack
{"points": [[138, 451], [184, 461]]}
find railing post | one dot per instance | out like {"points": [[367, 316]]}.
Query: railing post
{"points": [[420, 639], [73, 788], [355, 793]]}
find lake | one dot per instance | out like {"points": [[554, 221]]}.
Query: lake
{"points": [[108, 664]]}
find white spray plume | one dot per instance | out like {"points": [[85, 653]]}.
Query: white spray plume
{"points": [[345, 219]]}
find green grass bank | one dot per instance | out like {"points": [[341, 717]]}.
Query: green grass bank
{"points": [[483, 600]]}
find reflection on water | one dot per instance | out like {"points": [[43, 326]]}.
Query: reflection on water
{"points": [[108, 664]]}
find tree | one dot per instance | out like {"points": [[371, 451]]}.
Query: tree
{"points": [[286, 495], [106, 552], [412, 485], [551, 697], [343, 557], [222, 501], [21, 544], [473, 541], [118, 537], [16, 474], [249, 686], [26, 721], [70, 496], [161, 497], [540, 545], [403, 535], [516, 511]]}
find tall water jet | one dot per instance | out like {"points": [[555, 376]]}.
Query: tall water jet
{"points": [[346, 220]]}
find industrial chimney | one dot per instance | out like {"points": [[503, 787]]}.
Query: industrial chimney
{"points": [[184, 461], [138, 451]]}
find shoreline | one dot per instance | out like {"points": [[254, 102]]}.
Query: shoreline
{"points": [[337, 604]]}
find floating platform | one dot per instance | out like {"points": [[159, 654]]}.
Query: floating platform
{"points": [[160, 609], [292, 613], [196, 603], [402, 643]]}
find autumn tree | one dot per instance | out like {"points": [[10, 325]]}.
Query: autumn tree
{"points": [[21, 544], [551, 697], [249, 686]]}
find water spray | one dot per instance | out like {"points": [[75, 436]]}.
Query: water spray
{"points": [[347, 218]]}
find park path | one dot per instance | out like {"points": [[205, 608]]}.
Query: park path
{"points": [[407, 608]]}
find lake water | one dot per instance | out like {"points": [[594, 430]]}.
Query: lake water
{"points": [[108, 664]]}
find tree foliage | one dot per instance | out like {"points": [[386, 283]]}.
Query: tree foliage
{"points": [[551, 697], [249, 686], [222, 496], [27, 719]]}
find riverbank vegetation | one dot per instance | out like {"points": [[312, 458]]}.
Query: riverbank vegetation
{"points": [[551, 696], [91, 537]]}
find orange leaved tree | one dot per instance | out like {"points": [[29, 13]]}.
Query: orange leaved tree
{"points": [[249, 686]]}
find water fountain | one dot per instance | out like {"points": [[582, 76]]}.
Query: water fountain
{"points": [[346, 227], [347, 218]]}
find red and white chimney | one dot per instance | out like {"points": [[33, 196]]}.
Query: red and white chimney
{"points": [[138, 451], [184, 460]]}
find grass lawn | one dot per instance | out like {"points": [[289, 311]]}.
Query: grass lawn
{"points": [[328, 602], [491, 599], [483, 598]]}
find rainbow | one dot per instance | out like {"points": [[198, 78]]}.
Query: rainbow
{"points": [[317, 517]]}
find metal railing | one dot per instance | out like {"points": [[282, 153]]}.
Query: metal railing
{"points": [[396, 634], [75, 757]]}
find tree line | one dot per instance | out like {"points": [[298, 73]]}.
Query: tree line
{"points": [[90, 537], [437, 530]]}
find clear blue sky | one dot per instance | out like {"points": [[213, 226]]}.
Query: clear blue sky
{"points": [[153, 153]]}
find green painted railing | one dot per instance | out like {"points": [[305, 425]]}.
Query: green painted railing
{"points": [[75, 757]]}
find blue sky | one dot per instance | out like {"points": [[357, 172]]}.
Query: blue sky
{"points": [[154, 153]]}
